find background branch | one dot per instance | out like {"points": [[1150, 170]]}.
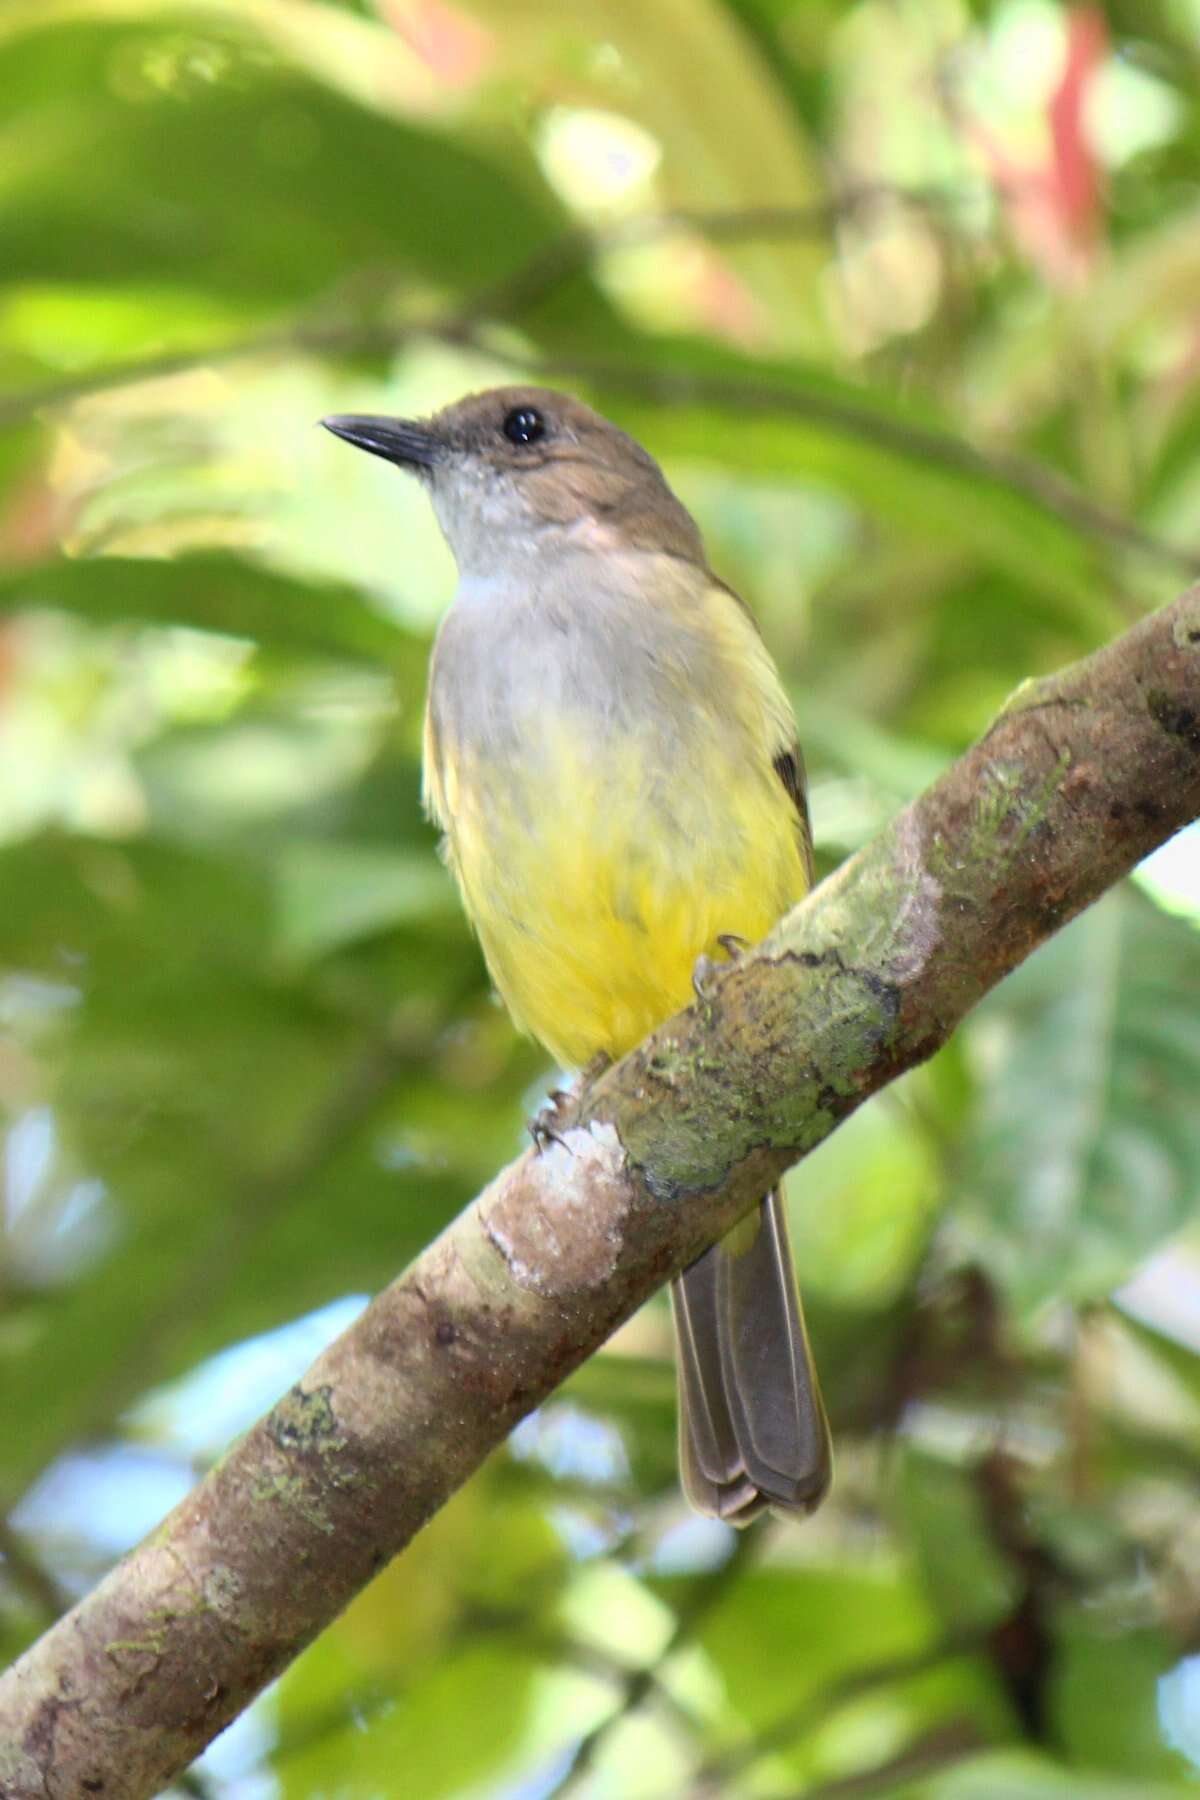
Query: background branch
{"points": [[531, 282], [346, 326], [1082, 775], [714, 1776], [703, 1595]]}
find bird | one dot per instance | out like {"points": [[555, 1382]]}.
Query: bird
{"points": [[612, 758]]}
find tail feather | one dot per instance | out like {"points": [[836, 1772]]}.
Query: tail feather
{"points": [[752, 1427], [710, 1463]]}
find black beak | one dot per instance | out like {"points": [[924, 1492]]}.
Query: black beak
{"points": [[400, 441]]}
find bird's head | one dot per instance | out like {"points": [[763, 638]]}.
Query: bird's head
{"points": [[515, 472]]}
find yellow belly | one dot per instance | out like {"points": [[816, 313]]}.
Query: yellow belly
{"points": [[594, 895]]}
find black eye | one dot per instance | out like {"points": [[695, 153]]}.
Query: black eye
{"points": [[524, 425]]}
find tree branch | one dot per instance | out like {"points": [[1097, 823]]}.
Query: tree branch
{"points": [[1081, 776]]}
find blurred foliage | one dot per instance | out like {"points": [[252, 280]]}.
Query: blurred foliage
{"points": [[904, 294]]}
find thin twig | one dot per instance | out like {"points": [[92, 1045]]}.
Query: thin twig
{"points": [[1035, 481], [714, 1776], [348, 337], [30, 1575], [533, 282], [703, 1595], [354, 1094], [939, 1749], [361, 1705]]}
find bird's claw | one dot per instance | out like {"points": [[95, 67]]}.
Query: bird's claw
{"points": [[551, 1120], [703, 970], [705, 967], [564, 1106]]}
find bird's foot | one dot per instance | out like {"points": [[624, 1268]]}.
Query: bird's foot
{"points": [[564, 1106], [551, 1120], [705, 967]]}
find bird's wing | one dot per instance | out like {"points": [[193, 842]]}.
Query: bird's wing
{"points": [[778, 725]]}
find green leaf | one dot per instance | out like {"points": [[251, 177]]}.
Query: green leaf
{"points": [[675, 99], [135, 137], [210, 593], [862, 1208], [784, 1634], [1084, 1152], [1023, 1775], [943, 1520], [20, 453], [1124, 1734], [263, 1145], [451, 1726], [896, 457], [331, 894]]}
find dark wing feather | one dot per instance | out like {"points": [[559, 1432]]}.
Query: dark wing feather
{"points": [[789, 766]]}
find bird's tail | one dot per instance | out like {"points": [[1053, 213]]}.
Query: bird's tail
{"points": [[752, 1427]]}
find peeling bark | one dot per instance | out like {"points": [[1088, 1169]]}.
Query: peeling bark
{"points": [[1078, 779]]}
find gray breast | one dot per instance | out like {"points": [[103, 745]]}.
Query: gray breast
{"points": [[585, 645]]}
